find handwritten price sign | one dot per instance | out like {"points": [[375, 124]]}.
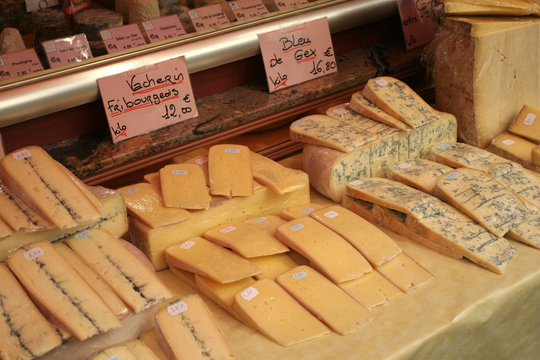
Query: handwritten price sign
{"points": [[19, 63], [146, 99], [296, 54], [417, 21]]}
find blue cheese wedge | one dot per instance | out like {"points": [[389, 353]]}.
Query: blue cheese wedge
{"points": [[463, 155], [522, 182], [345, 113], [418, 173], [365, 107]]}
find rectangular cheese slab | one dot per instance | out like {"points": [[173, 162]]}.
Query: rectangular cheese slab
{"points": [[493, 7], [184, 186], [528, 232], [274, 175], [345, 113], [330, 170], [371, 290], [365, 107], [463, 155], [222, 294], [527, 124], [267, 307], [324, 299], [150, 339], [522, 182], [405, 273], [299, 211], [421, 174], [229, 170], [273, 265], [269, 222], [514, 148], [129, 350]]}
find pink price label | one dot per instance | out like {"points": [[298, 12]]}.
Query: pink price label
{"points": [[146, 99], [208, 17], [33, 5], [417, 21], [163, 28], [122, 37], [19, 63], [285, 4], [68, 50], [245, 9], [298, 53]]}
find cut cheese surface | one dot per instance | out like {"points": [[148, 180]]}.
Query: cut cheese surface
{"points": [[17, 214], [535, 155], [61, 291], [331, 253], [269, 222], [144, 202], [330, 132], [504, 7], [150, 339], [271, 310], [129, 350], [365, 107], [521, 181], [418, 173], [184, 186], [188, 330], [399, 100], [205, 258], [345, 113], [528, 232], [405, 273], [229, 170], [133, 280], [274, 175], [222, 294], [513, 147], [463, 155], [371, 290], [202, 162], [527, 124], [5, 229], [25, 333], [324, 299], [482, 198], [46, 187], [299, 211], [153, 179], [273, 265], [375, 245], [246, 240], [183, 275]]}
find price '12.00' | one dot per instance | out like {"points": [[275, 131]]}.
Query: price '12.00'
{"points": [[319, 67], [170, 111]]}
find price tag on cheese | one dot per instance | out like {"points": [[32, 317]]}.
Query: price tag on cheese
{"points": [[176, 308], [19, 63], [417, 21], [146, 99], [208, 17], [298, 53], [285, 4], [33, 5], [122, 37], [68, 50], [245, 9], [163, 28]]}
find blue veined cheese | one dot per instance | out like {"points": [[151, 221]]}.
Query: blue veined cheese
{"points": [[330, 132], [330, 170], [345, 113], [463, 155], [484, 199], [399, 100], [418, 173], [522, 182], [365, 107]]}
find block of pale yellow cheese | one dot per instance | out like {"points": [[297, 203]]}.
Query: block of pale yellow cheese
{"points": [[184, 186], [222, 294], [405, 273], [514, 148], [205, 258], [328, 251], [61, 291], [150, 339], [267, 307], [202, 162], [535, 155], [365, 107], [324, 299], [274, 175], [273, 265], [269, 222], [129, 350], [229, 170], [5, 230], [187, 329], [418, 173], [25, 333], [491, 7], [298, 211], [371, 290], [153, 179], [527, 124]]}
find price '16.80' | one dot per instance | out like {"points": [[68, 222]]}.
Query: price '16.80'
{"points": [[321, 67]]}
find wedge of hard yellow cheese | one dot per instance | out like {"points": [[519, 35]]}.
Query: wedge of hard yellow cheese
{"points": [[184, 186], [229, 170], [129, 350], [17, 214]]}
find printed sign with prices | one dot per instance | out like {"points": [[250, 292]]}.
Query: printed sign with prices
{"points": [[122, 37], [245, 9], [417, 21], [163, 28], [33, 5], [19, 63], [298, 53], [286, 4], [208, 17], [68, 50], [146, 99]]}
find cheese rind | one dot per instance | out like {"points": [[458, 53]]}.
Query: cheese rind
{"points": [[17, 214], [535, 155], [184, 186], [418, 173], [229, 170], [365, 107]]}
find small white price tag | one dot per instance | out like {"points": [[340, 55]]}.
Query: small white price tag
{"points": [[179, 172], [508, 142], [249, 293], [381, 82], [186, 245], [307, 210], [331, 214], [452, 175], [148, 25], [340, 110], [297, 227], [33, 253], [261, 219], [299, 123], [356, 182], [228, 229], [21, 155], [83, 234], [232, 151], [444, 146], [177, 308], [132, 190], [404, 165], [201, 160], [300, 275], [529, 119]]}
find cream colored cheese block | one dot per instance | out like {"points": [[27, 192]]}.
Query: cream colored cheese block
{"points": [[344, 113], [205, 258], [375, 245], [273, 265], [60, 291], [399, 100], [222, 294], [418, 173], [144, 202], [330, 132], [299, 211], [269, 222], [527, 124], [405, 273], [461, 155], [267, 307], [153, 179], [496, 7], [365, 107], [371, 290], [85, 189], [514, 148], [19, 216], [324, 299], [330, 170], [25, 333], [132, 280], [528, 232], [129, 350], [150, 339], [32, 174], [522, 182], [96, 282], [246, 240], [229, 170], [330, 253], [484, 199], [187, 329], [184, 186], [274, 175], [535, 155]]}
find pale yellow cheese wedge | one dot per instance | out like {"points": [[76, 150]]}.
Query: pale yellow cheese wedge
{"points": [[344, 112], [512, 147], [187, 329], [375, 245], [222, 294], [246, 240], [5, 230], [459, 155], [144, 202], [527, 124], [32, 174], [273, 265], [331, 253], [129, 350], [269, 222], [17, 215], [140, 350], [535, 155], [371, 290], [418, 173], [229, 170], [405, 273], [60, 291], [274, 175], [100, 286], [399, 100], [184, 186], [183, 158], [202, 162], [153, 179], [205, 258], [133, 280], [25, 333], [183, 275], [329, 303], [92, 197], [150, 339], [522, 182], [267, 307], [365, 107], [298, 211], [329, 132]]}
